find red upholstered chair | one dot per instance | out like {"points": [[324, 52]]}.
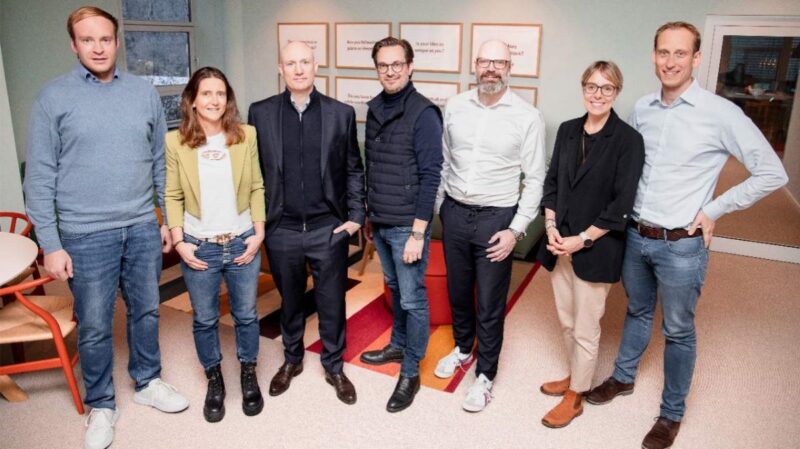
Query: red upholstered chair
{"points": [[436, 284]]}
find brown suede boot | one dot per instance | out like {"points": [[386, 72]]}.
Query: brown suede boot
{"points": [[556, 387], [562, 414]]}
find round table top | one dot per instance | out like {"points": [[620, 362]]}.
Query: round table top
{"points": [[16, 254]]}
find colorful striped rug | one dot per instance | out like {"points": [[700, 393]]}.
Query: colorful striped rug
{"points": [[370, 328]]}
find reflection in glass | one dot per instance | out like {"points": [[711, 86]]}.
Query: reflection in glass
{"points": [[156, 10], [759, 74], [172, 108], [160, 57]]}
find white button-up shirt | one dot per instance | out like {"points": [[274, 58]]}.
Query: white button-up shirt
{"points": [[486, 150], [686, 145]]}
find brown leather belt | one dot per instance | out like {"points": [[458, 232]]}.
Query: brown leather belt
{"points": [[660, 233]]}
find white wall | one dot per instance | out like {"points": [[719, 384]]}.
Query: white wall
{"points": [[575, 33], [10, 187]]}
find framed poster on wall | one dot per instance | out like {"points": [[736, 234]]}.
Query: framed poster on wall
{"points": [[437, 46], [524, 40], [356, 92], [438, 91], [320, 82], [313, 34], [529, 94], [354, 42]]}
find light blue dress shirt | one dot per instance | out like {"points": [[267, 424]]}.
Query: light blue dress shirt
{"points": [[686, 145]]}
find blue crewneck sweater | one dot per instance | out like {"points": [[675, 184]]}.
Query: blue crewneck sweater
{"points": [[95, 155]]}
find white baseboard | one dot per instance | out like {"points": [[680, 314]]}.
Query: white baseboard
{"points": [[754, 249]]}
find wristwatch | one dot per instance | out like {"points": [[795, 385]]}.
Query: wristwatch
{"points": [[587, 242], [416, 235], [518, 236]]}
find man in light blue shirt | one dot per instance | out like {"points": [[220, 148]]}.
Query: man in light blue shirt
{"points": [[689, 133], [95, 159]]}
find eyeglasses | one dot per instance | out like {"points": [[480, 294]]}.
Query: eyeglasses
{"points": [[606, 89], [499, 64], [396, 66]]}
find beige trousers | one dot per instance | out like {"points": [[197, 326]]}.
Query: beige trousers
{"points": [[580, 306]]}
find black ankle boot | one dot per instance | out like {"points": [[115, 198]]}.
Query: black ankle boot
{"points": [[403, 395], [214, 407], [252, 401]]}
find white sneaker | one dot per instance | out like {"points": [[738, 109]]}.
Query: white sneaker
{"points": [[162, 396], [448, 364], [479, 395], [100, 428]]}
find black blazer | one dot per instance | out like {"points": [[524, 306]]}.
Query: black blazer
{"points": [[600, 192], [341, 166]]}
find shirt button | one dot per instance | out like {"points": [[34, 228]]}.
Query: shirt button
{"points": [[625, 216]]}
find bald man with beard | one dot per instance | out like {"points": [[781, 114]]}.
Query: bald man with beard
{"points": [[492, 137], [314, 181]]}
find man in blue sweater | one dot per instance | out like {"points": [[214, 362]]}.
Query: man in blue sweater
{"points": [[404, 160], [95, 158]]}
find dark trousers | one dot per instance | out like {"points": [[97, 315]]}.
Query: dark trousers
{"points": [[466, 234], [326, 253]]}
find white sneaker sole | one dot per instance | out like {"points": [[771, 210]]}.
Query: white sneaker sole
{"points": [[444, 374], [176, 409], [473, 408]]}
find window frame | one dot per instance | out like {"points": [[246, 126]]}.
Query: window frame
{"points": [[163, 27]]}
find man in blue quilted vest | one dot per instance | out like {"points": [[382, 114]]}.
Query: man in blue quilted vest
{"points": [[404, 161]]}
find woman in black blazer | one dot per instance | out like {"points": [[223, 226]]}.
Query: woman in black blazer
{"points": [[588, 197]]}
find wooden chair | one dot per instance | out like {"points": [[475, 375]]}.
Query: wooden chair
{"points": [[15, 218], [35, 318]]}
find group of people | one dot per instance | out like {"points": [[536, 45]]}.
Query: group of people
{"points": [[630, 200]]}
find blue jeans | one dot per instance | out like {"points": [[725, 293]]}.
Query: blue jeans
{"points": [[203, 287], [410, 312], [128, 258], [676, 269]]}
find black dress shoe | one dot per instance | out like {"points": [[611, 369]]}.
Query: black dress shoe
{"points": [[345, 390], [386, 355], [403, 395], [662, 434], [283, 378], [252, 401], [214, 407]]}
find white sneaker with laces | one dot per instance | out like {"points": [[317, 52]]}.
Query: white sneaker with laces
{"points": [[448, 364], [162, 396], [100, 428], [479, 395]]}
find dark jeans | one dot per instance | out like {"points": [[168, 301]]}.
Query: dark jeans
{"points": [[203, 286], [326, 253], [466, 233], [128, 258], [410, 312], [676, 270]]}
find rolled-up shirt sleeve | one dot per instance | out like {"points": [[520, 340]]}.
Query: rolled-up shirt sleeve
{"points": [[533, 156]]}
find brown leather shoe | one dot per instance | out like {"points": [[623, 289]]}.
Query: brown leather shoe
{"points": [[568, 409], [608, 390], [556, 387], [283, 378], [662, 434], [345, 390]]}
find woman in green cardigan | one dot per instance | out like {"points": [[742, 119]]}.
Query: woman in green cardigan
{"points": [[215, 210]]}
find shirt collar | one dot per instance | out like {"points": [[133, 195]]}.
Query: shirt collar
{"points": [[505, 100], [89, 76], [689, 96]]}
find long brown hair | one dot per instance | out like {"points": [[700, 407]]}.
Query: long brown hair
{"points": [[190, 130]]}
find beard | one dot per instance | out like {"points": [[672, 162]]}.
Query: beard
{"points": [[492, 87]]}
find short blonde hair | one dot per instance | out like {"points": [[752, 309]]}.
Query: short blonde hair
{"points": [[676, 26], [84, 12], [606, 68]]}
